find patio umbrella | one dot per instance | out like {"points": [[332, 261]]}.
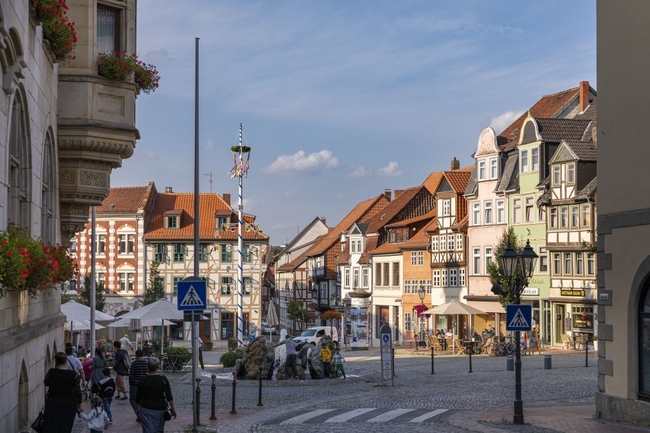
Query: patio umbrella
{"points": [[159, 311], [77, 325], [272, 316], [455, 307], [76, 311], [123, 323]]}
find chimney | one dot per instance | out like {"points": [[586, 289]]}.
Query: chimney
{"points": [[584, 95], [387, 193], [455, 164], [168, 189], [226, 198]]}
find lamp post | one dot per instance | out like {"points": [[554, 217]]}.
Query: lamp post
{"points": [[421, 294], [517, 280]]}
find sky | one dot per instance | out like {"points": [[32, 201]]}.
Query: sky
{"points": [[341, 100]]}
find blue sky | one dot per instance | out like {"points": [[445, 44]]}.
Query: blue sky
{"points": [[342, 99]]}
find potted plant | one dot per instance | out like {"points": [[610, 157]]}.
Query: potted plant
{"points": [[57, 30], [207, 345], [31, 265], [122, 67], [232, 343]]}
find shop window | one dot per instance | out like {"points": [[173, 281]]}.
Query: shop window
{"points": [[583, 317]]}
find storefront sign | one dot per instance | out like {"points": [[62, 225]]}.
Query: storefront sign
{"points": [[572, 292], [530, 291]]}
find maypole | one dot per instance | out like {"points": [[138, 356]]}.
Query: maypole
{"points": [[239, 170]]}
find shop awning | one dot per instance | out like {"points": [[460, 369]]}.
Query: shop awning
{"points": [[487, 306]]}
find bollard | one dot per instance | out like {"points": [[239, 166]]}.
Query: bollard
{"points": [[587, 352], [213, 403], [393, 359], [432, 372], [234, 392], [469, 349], [510, 363], [198, 399], [259, 398], [547, 362]]}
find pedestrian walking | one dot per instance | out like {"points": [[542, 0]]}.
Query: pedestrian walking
{"points": [[63, 399], [105, 391], [199, 344], [121, 370], [326, 357], [74, 364], [138, 371], [153, 395], [290, 363], [338, 360], [98, 364], [126, 344], [97, 418]]}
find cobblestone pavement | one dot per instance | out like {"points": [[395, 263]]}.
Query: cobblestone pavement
{"points": [[452, 400]]}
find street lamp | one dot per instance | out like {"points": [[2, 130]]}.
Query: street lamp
{"points": [[517, 280], [421, 294]]}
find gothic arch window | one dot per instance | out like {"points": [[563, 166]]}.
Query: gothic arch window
{"points": [[48, 191], [20, 163], [23, 399], [644, 344]]}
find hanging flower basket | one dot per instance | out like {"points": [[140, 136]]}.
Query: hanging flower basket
{"points": [[31, 265], [331, 315], [420, 309]]}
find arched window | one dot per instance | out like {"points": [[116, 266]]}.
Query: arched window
{"points": [[23, 399], [20, 163], [644, 344], [48, 192]]}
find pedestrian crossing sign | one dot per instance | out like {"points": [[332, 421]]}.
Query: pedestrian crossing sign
{"points": [[518, 317], [192, 295]]}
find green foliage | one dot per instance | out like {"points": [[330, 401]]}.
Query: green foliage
{"points": [[228, 359], [295, 311], [155, 287], [156, 345], [176, 358], [495, 269], [240, 352], [84, 294]]}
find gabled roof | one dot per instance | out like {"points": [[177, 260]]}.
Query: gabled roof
{"points": [[548, 106], [392, 209], [300, 235], [583, 150], [509, 179], [209, 204], [355, 215], [432, 182], [458, 179], [295, 263], [125, 200], [556, 130], [462, 224], [418, 241], [472, 184], [371, 244]]}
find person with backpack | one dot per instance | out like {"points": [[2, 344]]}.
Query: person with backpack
{"points": [[97, 418], [121, 368], [105, 391]]}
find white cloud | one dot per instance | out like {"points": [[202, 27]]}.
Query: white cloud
{"points": [[359, 172], [502, 121], [209, 145], [291, 192], [392, 169], [300, 162]]}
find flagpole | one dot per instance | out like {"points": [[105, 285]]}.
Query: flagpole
{"points": [[195, 330]]}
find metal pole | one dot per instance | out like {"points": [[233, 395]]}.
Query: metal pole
{"points": [[93, 289], [259, 394], [470, 348], [213, 403], [432, 372], [234, 392], [518, 417], [587, 351], [197, 406], [196, 225]]}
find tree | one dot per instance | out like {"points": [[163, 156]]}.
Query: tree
{"points": [[295, 312], [495, 269], [155, 288], [84, 294]]}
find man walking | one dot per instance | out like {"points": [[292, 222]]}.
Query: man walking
{"points": [[138, 371], [121, 369], [290, 364], [126, 344]]}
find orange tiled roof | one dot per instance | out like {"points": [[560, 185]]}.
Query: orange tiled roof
{"points": [[432, 182], [354, 216], [124, 200], [393, 208], [548, 106], [209, 204], [387, 248], [458, 179]]}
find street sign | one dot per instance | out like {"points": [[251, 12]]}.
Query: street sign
{"points": [[519, 317], [386, 349], [192, 295]]}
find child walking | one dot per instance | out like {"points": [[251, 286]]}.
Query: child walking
{"points": [[106, 391], [338, 361], [97, 417]]}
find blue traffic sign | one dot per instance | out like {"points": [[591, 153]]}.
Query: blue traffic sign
{"points": [[519, 317], [192, 295]]}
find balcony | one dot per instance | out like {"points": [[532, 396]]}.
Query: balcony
{"points": [[318, 274]]}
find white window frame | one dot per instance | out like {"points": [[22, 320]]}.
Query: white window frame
{"points": [[446, 207], [571, 173], [481, 170], [494, 168], [529, 210], [436, 278], [444, 278], [434, 243], [453, 277], [487, 212], [516, 211], [450, 242], [476, 213], [488, 258], [461, 277], [523, 158], [534, 159], [443, 243], [414, 258], [501, 212], [459, 242], [476, 260]]}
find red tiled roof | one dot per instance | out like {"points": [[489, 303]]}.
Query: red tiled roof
{"points": [[393, 208], [124, 200], [371, 244], [547, 106], [432, 182], [209, 204], [458, 179]]}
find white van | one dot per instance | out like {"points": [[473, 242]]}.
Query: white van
{"points": [[314, 334]]}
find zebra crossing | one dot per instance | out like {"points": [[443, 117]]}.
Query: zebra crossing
{"points": [[363, 414]]}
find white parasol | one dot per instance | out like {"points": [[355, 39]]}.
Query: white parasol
{"points": [[455, 307]]}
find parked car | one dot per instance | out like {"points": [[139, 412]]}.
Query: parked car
{"points": [[314, 334]]}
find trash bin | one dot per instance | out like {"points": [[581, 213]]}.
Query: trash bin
{"points": [[547, 362], [510, 363]]}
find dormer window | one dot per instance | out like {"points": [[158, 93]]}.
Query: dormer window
{"points": [[481, 170], [446, 207], [571, 173], [353, 246], [173, 219], [524, 161], [494, 168], [534, 159]]}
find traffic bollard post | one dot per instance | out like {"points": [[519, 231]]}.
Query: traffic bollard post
{"points": [[259, 397], [432, 372], [213, 403], [198, 399], [234, 392]]}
